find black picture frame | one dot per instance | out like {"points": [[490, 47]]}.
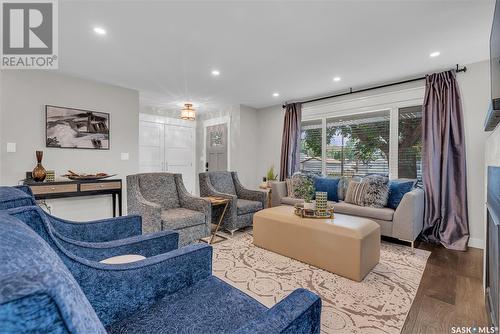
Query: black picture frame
{"points": [[98, 121]]}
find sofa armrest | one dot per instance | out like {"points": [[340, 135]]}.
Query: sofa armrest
{"points": [[278, 190], [191, 202], [253, 195], [409, 216], [117, 291], [299, 313], [99, 230], [147, 245]]}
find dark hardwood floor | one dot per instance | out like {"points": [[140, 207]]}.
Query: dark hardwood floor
{"points": [[450, 294]]}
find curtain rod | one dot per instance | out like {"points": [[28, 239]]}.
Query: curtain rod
{"points": [[351, 91]]}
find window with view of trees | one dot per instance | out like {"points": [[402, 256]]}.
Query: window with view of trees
{"points": [[310, 148], [360, 144], [410, 143]]}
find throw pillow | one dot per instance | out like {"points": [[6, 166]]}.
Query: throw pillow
{"points": [[355, 193], [329, 185], [397, 189], [376, 191]]}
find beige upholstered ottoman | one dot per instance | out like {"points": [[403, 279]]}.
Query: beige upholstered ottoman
{"points": [[346, 245]]}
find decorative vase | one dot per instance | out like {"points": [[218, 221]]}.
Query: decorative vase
{"points": [[39, 172], [321, 201]]}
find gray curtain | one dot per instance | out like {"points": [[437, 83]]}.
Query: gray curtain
{"points": [[443, 162], [290, 143]]}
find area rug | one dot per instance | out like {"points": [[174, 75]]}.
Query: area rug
{"points": [[378, 304]]}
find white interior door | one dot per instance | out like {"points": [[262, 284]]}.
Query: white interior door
{"points": [[179, 153], [167, 145], [151, 147]]}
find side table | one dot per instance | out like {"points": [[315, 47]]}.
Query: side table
{"points": [[267, 189], [216, 202]]}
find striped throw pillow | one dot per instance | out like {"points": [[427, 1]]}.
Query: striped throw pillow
{"points": [[355, 193]]}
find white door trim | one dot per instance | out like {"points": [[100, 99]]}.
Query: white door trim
{"points": [[216, 121]]}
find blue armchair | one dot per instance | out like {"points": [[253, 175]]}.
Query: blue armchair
{"points": [[172, 292], [89, 240], [93, 231]]}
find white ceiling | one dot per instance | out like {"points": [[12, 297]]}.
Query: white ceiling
{"points": [[167, 49]]}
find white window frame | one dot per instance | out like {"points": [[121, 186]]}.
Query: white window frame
{"points": [[376, 101]]}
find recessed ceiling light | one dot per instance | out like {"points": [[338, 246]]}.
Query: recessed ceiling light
{"points": [[100, 31], [276, 94], [215, 73], [434, 54], [336, 79]]}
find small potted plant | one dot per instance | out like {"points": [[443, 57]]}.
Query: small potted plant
{"points": [[271, 176], [305, 190]]}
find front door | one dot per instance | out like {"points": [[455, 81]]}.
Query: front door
{"points": [[216, 148]]}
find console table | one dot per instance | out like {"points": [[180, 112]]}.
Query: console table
{"points": [[66, 189]]}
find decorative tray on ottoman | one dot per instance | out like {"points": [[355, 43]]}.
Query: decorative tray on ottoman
{"points": [[313, 213]]}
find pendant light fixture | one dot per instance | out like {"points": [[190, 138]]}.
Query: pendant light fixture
{"points": [[188, 113]]}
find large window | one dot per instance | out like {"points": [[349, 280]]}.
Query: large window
{"points": [[364, 144]]}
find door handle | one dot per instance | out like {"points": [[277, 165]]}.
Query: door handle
{"points": [[206, 166]]}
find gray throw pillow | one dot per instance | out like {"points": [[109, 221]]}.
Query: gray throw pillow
{"points": [[376, 191]]}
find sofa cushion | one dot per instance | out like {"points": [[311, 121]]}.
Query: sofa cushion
{"points": [[208, 306], [329, 185], [178, 218], [159, 188], [246, 206], [222, 182], [397, 189], [291, 200], [364, 211]]}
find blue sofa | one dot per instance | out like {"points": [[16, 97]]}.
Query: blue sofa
{"points": [[44, 287]]}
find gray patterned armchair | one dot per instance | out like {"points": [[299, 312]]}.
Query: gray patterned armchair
{"points": [[244, 202], [164, 204]]}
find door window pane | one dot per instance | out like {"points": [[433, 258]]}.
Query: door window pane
{"points": [[358, 144]]}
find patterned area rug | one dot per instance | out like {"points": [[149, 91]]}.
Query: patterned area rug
{"points": [[378, 304]]}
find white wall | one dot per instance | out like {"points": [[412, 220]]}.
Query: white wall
{"points": [[475, 90], [270, 130], [25, 94], [248, 153]]}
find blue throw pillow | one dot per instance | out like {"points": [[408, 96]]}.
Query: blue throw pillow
{"points": [[329, 185], [397, 189]]}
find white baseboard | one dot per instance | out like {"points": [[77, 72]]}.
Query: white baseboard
{"points": [[476, 243]]}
